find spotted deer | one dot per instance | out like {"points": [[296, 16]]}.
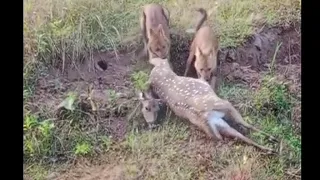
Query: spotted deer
{"points": [[195, 100]]}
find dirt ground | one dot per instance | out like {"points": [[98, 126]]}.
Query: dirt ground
{"points": [[111, 71]]}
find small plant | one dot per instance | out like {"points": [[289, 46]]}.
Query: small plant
{"points": [[37, 136], [139, 80], [83, 148], [68, 103], [112, 95], [273, 96], [106, 142]]}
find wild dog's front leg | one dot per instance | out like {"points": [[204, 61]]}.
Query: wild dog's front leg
{"points": [[213, 80], [190, 59], [169, 59], [213, 83], [237, 118]]}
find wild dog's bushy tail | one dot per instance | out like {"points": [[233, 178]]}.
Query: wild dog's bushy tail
{"points": [[144, 26], [203, 18]]}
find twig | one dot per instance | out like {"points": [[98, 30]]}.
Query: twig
{"points": [[133, 113], [285, 73], [274, 57], [294, 173]]}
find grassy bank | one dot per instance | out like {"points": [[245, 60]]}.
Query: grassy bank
{"points": [[59, 32]]}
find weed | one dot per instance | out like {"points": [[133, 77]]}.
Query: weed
{"points": [[139, 80], [273, 96], [37, 136], [83, 148], [112, 95], [68, 103]]}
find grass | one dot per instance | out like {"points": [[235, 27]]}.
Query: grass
{"points": [[155, 154], [63, 32]]}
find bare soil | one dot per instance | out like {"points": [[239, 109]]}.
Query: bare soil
{"points": [[110, 71]]}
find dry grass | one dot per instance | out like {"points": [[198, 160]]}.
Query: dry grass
{"points": [[58, 32]]}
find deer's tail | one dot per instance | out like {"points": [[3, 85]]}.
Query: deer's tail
{"points": [[215, 120]]}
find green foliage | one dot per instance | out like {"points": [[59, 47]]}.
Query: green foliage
{"points": [[139, 80], [83, 148], [273, 96], [68, 103], [37, 136]]}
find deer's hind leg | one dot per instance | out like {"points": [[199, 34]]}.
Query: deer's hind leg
{"points": [[211, 133], [231, 132], [218, 124], [237, 118]]}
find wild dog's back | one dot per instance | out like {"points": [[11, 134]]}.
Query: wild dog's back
{"points": [[153, 20]]}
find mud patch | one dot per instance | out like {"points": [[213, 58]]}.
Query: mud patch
{"points": [[248, 62], [258, 55], [103, 87]]}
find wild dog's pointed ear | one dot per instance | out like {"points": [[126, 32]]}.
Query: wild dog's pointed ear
{"points": [[198, 52], [160, 29]]}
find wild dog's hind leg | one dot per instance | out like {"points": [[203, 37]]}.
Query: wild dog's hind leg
{"points": [[213, 81], [237, 118]]}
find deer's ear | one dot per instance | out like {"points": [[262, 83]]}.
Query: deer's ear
{"points": [[142, 96], [145, 95]]}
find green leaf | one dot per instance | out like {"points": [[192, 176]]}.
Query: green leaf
{"points": [[68, 103]]}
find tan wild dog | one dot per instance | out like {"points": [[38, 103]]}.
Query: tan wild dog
{"points": [[204, 48], [154, 23], [195, 100]]}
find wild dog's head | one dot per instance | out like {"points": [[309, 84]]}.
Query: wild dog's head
{"points": [[205, 64], [150, 108], [159, 43]]}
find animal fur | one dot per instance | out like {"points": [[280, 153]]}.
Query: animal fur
{"points": [[195, 100], [204, 49], [150, 108], [154, 24]]}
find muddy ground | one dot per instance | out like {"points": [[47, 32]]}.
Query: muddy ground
{"points": [[106, 72]]}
